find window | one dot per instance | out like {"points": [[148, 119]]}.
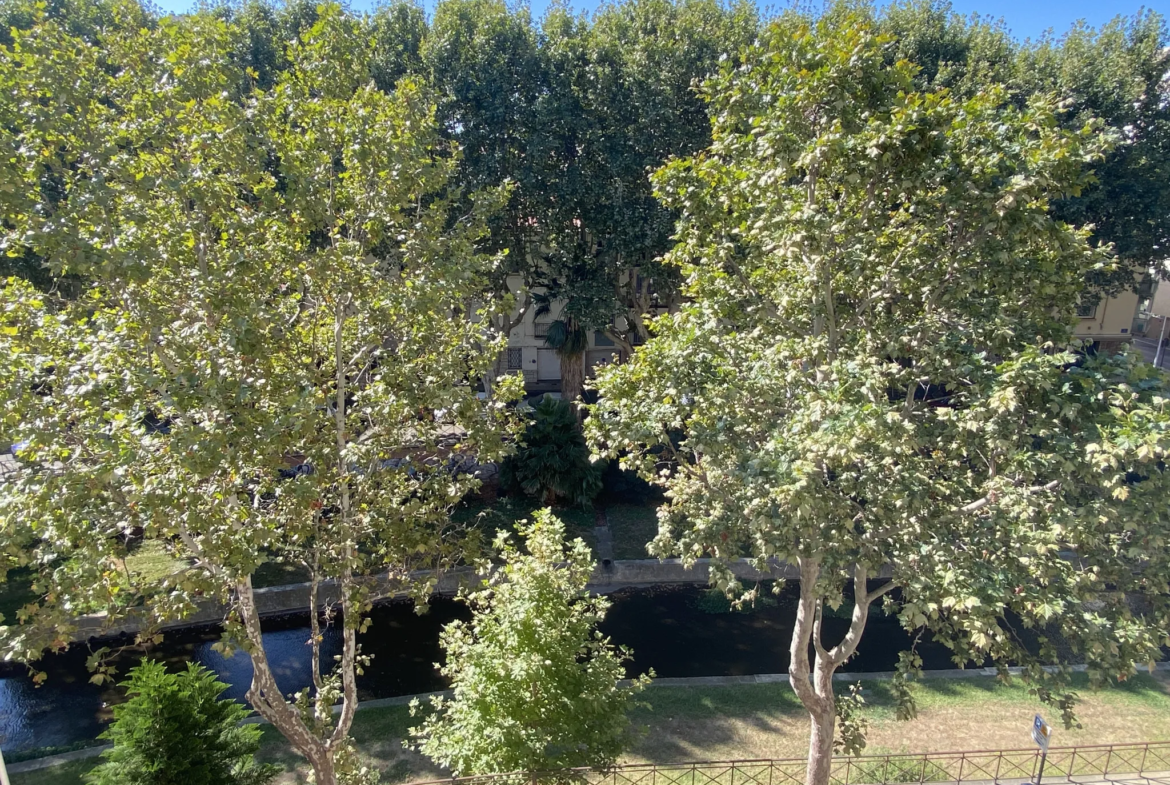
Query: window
{"points": [[1087, 310], [540, 329], [515, 359], [601, 339]]}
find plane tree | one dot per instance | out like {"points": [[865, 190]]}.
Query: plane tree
{"points": [[873, 378], [277, 290]]}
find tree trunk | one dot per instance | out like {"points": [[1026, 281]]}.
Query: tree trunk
{"points": [[814, 686], [323, 770], [820, 746], [572, 378], [821, 708], [267, 700]]}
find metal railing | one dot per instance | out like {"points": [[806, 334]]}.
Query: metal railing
{"points": [[1129, 763]]}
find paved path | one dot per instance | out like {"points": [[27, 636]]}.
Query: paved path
{"points": [[603, 537]]}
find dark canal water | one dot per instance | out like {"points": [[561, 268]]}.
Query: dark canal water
{"points": [[675, 631]]}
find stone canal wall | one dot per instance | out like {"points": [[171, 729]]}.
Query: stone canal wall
{"points": [[294, 597]]}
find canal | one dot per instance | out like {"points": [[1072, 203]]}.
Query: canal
{"points": [[677, 631]]}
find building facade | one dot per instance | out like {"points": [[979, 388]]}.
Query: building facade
{"points": [[1110, 324]]}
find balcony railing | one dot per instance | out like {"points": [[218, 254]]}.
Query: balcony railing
{"points": [[1132, 764]]}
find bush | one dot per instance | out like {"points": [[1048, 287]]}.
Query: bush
{"points": [[174, 730], [553, 461], [536, 686]]}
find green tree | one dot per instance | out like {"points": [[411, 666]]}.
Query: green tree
{"points": [[275, 279], [870, 380], [961, 53], [1117, 73], [398, 30], [174, 730], [1114, 73], [484, 61], [576, 115], [620, 103], [536, 686], [552, 462]]}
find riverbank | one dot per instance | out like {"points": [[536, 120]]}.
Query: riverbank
{"points": [[763, 719]]}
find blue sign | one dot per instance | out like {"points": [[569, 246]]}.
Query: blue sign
{"points": [[1041, 732]]}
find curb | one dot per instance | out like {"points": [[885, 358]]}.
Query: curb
{"points": [[688, 681]]}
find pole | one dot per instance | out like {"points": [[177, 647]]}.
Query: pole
{"points": [[1040, 774], [4, 772], [1161, 337]]}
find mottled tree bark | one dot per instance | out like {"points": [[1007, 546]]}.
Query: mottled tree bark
{"points": [[813, 683]]}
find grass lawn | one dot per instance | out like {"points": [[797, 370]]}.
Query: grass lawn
{"points": [[632, 526], [766, 721], [504, 512], [274, 573], [149, 560]]}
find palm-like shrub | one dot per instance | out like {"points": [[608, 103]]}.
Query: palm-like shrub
{"points": [[553, 463], [569, 340]]}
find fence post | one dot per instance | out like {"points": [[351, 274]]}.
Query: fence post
{"points": [[1142, 765]]}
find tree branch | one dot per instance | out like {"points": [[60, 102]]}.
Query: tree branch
{"points": [[979, 504], [844, 650], [880, 591], [819, 615]]}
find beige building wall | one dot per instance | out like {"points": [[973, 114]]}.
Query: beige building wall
{"points": [[1110, 320], [1160, 304], [526, 351]]}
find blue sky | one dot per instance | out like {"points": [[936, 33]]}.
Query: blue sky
{"points": [[1025, 18]]}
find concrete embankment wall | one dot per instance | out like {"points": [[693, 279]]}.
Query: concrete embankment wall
{"points": [[294, 598]]}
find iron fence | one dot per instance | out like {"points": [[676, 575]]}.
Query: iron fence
{"points": [[1136, 764]]}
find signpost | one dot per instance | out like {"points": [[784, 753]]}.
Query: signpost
{"points": [[1041, 733]]}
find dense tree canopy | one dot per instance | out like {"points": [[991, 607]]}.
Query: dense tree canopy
{"points": [[870, 377], [1116, 73], [222, 226], [576, 111]]}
